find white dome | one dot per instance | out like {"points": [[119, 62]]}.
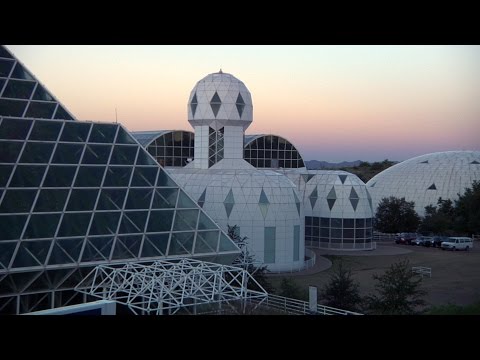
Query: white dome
{"points": [[341, 197], [220, 99], [259, 202], [425, 178]]}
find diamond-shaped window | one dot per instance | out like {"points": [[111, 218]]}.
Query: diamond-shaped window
{"points": [[201, 199], [331, 198], [263, 203], [229, 202], [475, 162], [215, 103], [354, 198], [240, 104], [424, 162], [297, 202], [313, 197], [193, 104], [342, 178]]}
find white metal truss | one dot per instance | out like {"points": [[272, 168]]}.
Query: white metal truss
{"points": [[166, 286]]}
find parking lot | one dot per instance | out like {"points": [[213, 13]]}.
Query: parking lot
{"points": [[455, 274]]}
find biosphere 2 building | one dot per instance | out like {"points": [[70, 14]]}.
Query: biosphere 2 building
{"points": [[76, 194]]}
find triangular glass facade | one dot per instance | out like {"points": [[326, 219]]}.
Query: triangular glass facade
{"points": [[77, 194], [21, 95]]}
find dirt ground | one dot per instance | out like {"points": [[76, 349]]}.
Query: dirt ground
{"points": [[455, 275]]}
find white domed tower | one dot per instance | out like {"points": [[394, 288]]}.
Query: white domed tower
{"points": [[220, 110]]}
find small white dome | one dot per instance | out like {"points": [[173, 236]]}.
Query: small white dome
{"points": [[423, 179], [220, 99]]}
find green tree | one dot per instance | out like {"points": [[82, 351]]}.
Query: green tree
{"points": [[247, 260], [289, 289], [396, 215], [342, 291], [467, 209], [398, 291], [439, 219]]}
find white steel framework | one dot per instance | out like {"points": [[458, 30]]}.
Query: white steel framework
{"points": [[166, 286]]}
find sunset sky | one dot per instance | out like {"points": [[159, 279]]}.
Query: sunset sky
{"points": [[333, 102]]}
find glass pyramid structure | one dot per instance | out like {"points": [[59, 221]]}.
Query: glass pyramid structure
{"points": [[74, 195]]}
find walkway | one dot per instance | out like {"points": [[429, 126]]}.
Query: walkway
{"points": [[323, 263]]}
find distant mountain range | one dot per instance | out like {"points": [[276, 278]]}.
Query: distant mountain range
{"points": [[318, 165]]}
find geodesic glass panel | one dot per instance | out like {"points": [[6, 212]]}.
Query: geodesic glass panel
{"points": [[127, 247], [102, 133], [59, 176], [207, 241], [74, 224], [18, 89], [104, 223], [117, 176], [185, 220], [40, 110], [181, 243], [42, 94], [5, 172], [144, 176], [123, 155], [19, 72], [45, 130], [165, 198], [27, 176], [82, 199], [160, 221], [184, 201], [133, 222], [89, 176], [111, 199], [65, 251], [75, 132], [14, 129], [61, 113], [35, 152], [96, 154], [9, 151], [12, 226], [17, 201], [67, 153], [51, 200], [155, 245], [42, 226], [32, 253], [12, 107], [139, 199], [97, 249]]}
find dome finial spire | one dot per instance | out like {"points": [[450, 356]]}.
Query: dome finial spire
{"points": [[220, 72]]}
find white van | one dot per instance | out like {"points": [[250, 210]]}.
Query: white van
{"points": [[458, 243]]}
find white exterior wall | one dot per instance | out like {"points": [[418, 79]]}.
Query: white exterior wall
{"points": [[246, 186], [201, 147], [324, 181], [450, 171], [233, 142]]}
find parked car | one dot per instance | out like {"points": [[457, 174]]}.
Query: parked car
{"points": [[458, 243], [405, 238], [424, 241], [437, 240]]}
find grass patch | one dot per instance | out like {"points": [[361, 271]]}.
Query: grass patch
{"points": [[452, 309]]}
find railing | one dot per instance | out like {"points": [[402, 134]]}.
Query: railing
{"points": [[307, 264], [299, 307], [422, 270], [378, 236]]}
